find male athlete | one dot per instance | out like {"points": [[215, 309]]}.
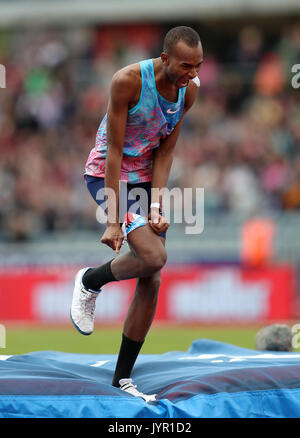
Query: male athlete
{"points": [[134, 150]]}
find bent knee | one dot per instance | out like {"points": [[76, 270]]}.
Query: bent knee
{"points": [[154, 260]]}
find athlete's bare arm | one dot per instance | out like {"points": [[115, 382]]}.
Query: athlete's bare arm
{"points": [[124, 93], [162, 161]]}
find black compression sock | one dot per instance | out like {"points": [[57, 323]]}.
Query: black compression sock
{"points": [[127, 356], [95, 278]]}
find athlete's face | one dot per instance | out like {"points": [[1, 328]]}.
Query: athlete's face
{"points": [[183, 64]]}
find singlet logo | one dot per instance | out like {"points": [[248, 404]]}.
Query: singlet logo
{"points": [[172, 112]]}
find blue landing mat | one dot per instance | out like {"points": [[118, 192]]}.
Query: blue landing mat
{"points": [[210, 380]]}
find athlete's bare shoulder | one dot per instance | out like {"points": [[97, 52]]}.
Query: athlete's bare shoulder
{"points": [[127, 82], [130, 72]]}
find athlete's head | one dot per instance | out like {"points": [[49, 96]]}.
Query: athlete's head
{"points": [[182, 55]]}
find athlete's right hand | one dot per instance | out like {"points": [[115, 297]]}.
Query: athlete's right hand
{"points": [[157, 222], [113, 237]]}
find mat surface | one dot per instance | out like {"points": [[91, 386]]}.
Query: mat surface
{"points": [[210, 380]]}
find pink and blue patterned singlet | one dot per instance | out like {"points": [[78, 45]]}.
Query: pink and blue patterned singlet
{"points": [[151, 119]]}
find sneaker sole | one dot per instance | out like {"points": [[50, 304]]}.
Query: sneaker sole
{"points": [[78, 329]]}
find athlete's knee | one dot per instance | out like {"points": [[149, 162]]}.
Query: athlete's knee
{"points": [[163, 257], [154, 259]]}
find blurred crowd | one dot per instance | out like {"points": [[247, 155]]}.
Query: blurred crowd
{"points": [[240, 141]]}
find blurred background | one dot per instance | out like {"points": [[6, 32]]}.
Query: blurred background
{"points": [[240, 142]]}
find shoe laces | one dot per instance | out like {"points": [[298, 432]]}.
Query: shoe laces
{"points": [[88, 300]]}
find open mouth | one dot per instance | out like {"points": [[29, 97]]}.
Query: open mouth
{"points": [[184, 82]]}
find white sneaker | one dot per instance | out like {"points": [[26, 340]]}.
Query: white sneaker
{"points": [[83, 305], [127, 386]]}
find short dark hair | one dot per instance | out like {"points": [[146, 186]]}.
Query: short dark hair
{"points": [[180, 33]]}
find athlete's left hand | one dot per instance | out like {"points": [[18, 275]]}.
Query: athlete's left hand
{"points": [[157, 222]]}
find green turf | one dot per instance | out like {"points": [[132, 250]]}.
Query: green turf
{"points": [[160, 339]]}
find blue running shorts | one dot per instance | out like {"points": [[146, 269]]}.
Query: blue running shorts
{"points": [[133, 198]]}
